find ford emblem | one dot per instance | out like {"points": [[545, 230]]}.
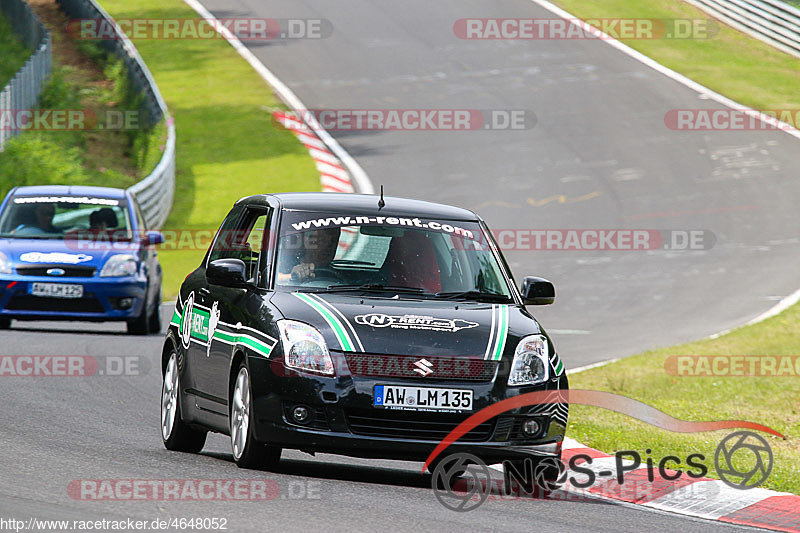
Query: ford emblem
{"points": [[55, 271]]}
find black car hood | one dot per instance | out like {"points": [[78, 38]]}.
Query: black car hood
{"points": [[384, 325]]}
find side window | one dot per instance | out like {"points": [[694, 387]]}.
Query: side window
{"points": [[241, 237], [221, 247]]}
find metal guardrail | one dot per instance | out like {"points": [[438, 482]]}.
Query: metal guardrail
{"points": [[772, 21], [22, 92], [156, 191]]}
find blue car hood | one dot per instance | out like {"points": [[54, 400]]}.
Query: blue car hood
{"points": [[59, 252]]}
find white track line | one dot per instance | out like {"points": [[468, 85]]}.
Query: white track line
{"points": [[362, 181]]}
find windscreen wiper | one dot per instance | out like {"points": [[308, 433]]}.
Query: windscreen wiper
{"points": [[473, 295], [351, 262], [377, 287]]}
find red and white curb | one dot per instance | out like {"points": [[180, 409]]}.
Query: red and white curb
{"points": [[703, 497], [333, 175]]}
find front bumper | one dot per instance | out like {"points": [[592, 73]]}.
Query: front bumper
{"points": [[100, 302], [343, 420]]}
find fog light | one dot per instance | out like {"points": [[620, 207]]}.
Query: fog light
{"points": [[125, 303], [531, 427], [300, 414]]}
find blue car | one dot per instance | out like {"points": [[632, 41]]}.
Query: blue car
{"points": [[78, 253]]}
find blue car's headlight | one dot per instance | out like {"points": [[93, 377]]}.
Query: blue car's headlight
{"points": [[531, 362], [5, 264], [119, 265]]}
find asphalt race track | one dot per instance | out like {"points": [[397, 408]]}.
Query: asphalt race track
{"points": [[57, 430], [599, 149]]}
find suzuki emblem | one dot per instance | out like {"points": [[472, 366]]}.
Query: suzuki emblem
{"points": [[424, 367]]}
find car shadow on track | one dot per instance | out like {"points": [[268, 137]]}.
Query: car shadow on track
{"points": [[342, 471], [396, 477], [74, 331]]}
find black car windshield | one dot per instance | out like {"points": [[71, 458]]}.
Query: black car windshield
{"points": [[414, 256], [65, 217]]}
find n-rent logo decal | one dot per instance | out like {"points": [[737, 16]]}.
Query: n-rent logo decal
{"points": [[426, 322]]}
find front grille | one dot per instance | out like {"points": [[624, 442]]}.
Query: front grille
{"points": [[414, 425], [28, 302], [503, 429], [403, 366], [69, 271]]}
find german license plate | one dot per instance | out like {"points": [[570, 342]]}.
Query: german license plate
{"points": [[422, 398], [57, 290]]}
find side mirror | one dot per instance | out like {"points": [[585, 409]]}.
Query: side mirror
{"points": [[227, 273], [537, 291], [152, 238]]}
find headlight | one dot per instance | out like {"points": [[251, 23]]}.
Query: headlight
{"points": [[304, 348], [531, 362], [119, 265], [5, 264]]}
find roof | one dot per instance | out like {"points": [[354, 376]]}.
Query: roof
{"points": [[364, 204], [67, 190]]}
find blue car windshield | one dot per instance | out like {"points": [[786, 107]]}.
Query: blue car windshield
{"points": [[65, 217]]}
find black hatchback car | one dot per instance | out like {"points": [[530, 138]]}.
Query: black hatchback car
{"points": [[361, 326]]}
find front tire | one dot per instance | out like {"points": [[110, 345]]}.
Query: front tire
{"points": [[175, 434], [154, 322], [141, 324], [247, 452]]}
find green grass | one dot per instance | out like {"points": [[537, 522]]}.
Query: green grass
{"points": [[13, 53], [731, 63], [771, 401], [80, 157], [227, 145]]}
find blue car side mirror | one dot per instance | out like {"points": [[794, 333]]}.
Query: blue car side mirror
{"points": [[152, 238]]}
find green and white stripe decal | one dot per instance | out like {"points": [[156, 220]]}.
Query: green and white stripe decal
{"points": [[239, 336], [558, 366], [498, 333], [341, 327], [176, 318], [243, 339]]}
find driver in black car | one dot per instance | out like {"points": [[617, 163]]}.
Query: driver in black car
{"points": [[317, 251]]}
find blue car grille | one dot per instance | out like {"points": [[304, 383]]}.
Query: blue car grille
{"points": [[26, 302], [69, 271]]}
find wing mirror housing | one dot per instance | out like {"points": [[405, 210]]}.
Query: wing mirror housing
{"points": [[227, 273], [537, 291], [152, 238]]}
